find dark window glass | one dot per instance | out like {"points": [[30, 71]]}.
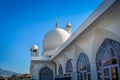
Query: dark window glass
{"points": [[83, 67], [34, 50], [89, 76], [69, 67], [107, 58], [60, 69]]}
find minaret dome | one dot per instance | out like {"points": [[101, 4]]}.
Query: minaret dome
{"points": [[68, 27], [34, 50]]}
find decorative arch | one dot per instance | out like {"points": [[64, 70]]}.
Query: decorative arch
{"points": [[69, 67], [60, 69], [46, 74], [108, 60], [83, 67]]}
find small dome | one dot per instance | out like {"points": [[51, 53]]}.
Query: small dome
{"points": [[68, 24], [34, 47], [54, 39]]}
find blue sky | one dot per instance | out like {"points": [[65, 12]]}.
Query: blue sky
{"points": [[25, 22]]}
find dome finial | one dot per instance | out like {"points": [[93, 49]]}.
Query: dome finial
{"points": [[56, 23]]}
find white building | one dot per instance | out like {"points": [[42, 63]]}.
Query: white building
{"points": [[92, 52]]}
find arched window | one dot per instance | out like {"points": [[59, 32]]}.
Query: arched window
{"points": [[46, 74], [60, 69], [83, 67], [108, 60], [69, 67]]}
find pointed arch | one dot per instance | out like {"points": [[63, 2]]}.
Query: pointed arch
{"points": [[60, 69], [69, 67], [46, 74], [108, 58], [83, 67]]}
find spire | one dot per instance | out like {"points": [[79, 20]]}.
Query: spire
{"points": [[68, 27], [56, 23]]}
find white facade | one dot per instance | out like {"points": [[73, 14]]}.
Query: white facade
{"points": [[102, 25]]}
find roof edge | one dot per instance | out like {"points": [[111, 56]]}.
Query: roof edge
{"points": [[98, 12]]}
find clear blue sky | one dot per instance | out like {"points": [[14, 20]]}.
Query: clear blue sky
{"points": [[25, 22]]}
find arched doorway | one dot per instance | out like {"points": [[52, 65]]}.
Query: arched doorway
{"points": [[83, 67], [46, 74], [108, 60]]}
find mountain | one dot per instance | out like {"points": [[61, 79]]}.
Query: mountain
{"points": [[7, 73]]}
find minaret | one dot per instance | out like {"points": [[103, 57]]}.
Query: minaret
{"points": [[56, 23], [68, 27], [34, 51]]}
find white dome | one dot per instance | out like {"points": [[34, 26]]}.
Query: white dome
{"points": [[69, 24], [34, 47], [54, 39]]}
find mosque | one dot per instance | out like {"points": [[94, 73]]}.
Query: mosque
{"points": [[92, 52]]}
